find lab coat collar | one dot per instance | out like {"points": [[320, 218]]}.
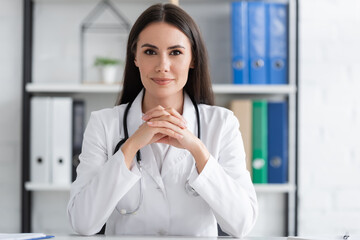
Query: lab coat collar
{"points": [[189, 114], [134, 119]]}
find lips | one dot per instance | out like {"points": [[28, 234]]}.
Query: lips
{"points": [[162, 81]]}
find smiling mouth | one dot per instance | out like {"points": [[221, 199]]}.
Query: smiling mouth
{"points": [[162, 81]]}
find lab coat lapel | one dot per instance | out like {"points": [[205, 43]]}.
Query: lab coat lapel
{"points": [[147, 156], [176, 155]]}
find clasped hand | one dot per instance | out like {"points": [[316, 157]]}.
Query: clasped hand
{"points": [[164, 125]]}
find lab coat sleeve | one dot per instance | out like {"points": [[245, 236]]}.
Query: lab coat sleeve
{"points": [[101, 181], [225, 184]]}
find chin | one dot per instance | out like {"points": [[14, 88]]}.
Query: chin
{"points": [[166, 92]]}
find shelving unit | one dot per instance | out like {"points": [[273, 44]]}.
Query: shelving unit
{"points": [[224, 92]]}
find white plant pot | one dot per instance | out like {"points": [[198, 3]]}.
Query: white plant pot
{"points": [[108, 73]]}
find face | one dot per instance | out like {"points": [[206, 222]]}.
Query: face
{"points": [[163, 56]]}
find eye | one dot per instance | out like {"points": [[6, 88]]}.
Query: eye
{"points": [[175, 52], [149, 52]]}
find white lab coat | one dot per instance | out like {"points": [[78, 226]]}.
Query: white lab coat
{"points": [[104, 185]]}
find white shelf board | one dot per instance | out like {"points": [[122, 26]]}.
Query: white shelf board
{"points": [[72, 88], [115, 88], [46, 187], [274, 188], [253, 89], [269, 188]]}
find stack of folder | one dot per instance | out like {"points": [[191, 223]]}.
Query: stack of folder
{"points": [[54, 139], [259, 42], [264, 128]]}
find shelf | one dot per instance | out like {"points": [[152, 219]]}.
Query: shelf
{"points": [[115, 88], [274, 188], [46, 187], [253, 89], [259, 188], [72, 88]]}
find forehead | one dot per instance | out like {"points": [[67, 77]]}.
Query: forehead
{"points": [[161, 33]]}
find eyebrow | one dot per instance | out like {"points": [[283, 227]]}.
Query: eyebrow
{"points": [[155, 47]]}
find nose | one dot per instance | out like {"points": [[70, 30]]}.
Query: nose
{"points": [[163, 64]]}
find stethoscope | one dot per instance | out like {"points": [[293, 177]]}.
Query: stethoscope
{"points": [[188, 188]]}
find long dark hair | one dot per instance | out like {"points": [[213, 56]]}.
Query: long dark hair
{"points": [[198, 85]]}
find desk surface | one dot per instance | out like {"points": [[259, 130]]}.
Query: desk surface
{"points": [[101, 237]]}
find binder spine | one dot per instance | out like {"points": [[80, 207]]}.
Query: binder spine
{"points": [[242, 109], [62, 140], [278, 142], [40, 139], [260, 162], [257, 42], [278, 43], [239, 29], [78, 123]]}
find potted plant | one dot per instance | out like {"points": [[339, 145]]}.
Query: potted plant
{"points": [[108, 68]]}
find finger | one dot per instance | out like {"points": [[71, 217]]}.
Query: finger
{"points": [[175, 113], [171, 119], [171, 131], [164, 139], [155, 112], [169, 112], [170, 141], [165, 124], [157, 137]]}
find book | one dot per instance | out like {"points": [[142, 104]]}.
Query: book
{"points": [[278, 142], [277, 56], [24, 236], [61, 140], [78, 126], [242, 109], [257, 42], [40, 145], [239, 30], [259, 143]]}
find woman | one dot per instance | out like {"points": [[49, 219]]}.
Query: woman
{"points": [[180, 169]]}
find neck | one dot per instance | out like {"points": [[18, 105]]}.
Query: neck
{"points": [[175, 101]]}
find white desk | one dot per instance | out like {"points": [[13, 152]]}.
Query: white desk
{"points": [[101, 237]]}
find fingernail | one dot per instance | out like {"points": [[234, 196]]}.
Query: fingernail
{"points": [[150, 123], [145, 117]]}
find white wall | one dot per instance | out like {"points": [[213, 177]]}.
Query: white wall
{"points": [[10, 113], [329, 124]]}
